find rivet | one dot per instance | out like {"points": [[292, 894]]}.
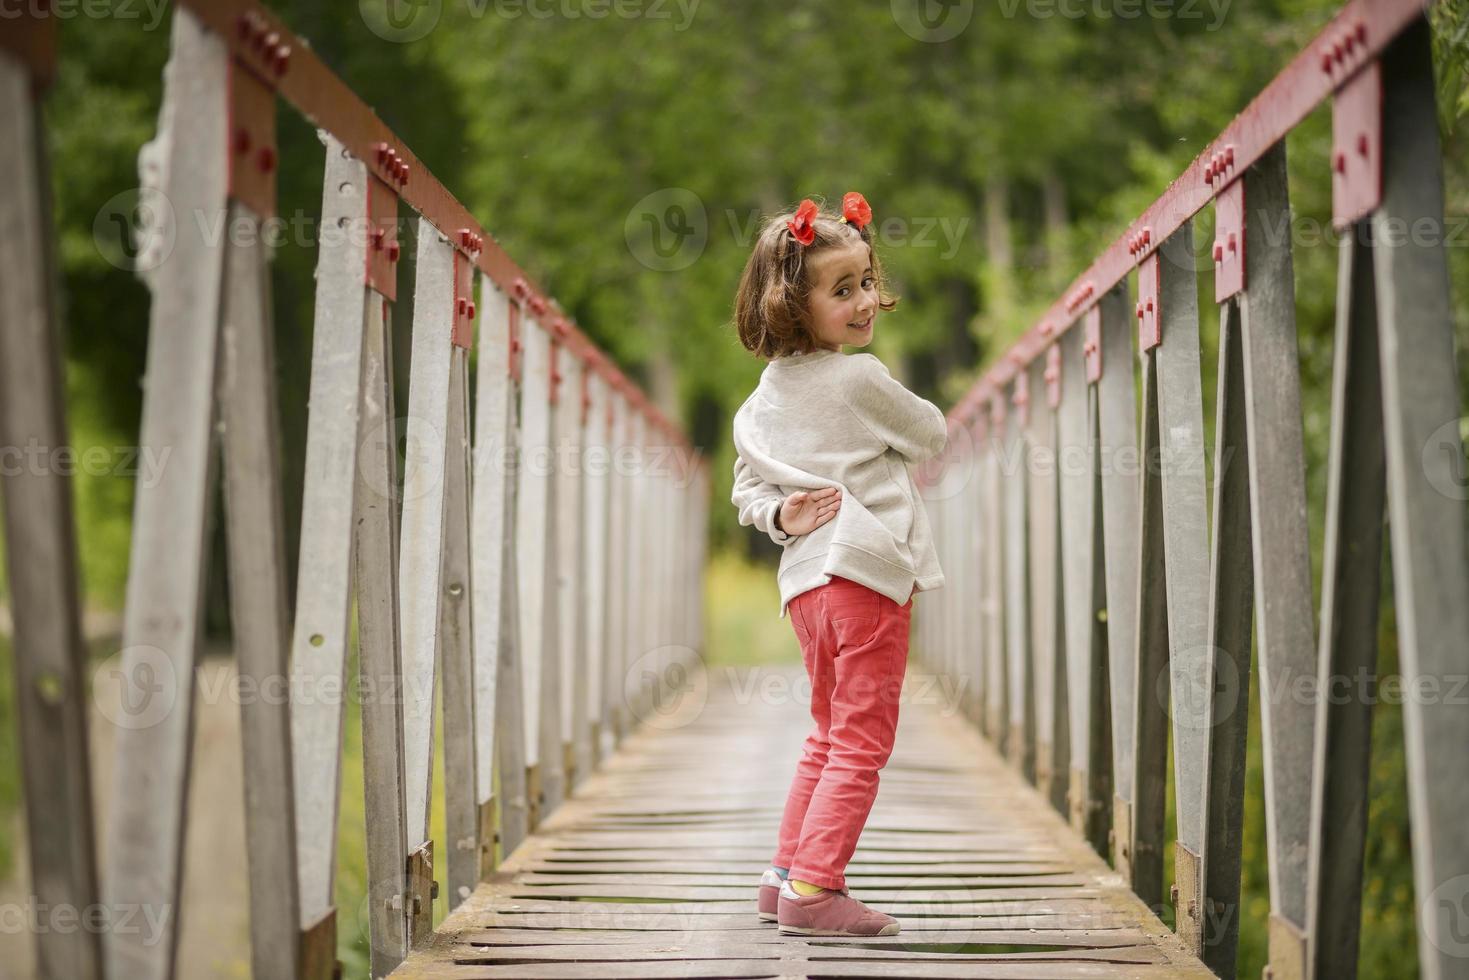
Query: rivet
{"points": [[242, 140], [1362, 144], [470, 311], [378, 235], [282, 59], [1340, 162], [1218, 252], [393, 251], [1233, 246], [463, 305], [266, 159]]}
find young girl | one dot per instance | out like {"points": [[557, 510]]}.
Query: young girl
{"points": [[824, 447]]}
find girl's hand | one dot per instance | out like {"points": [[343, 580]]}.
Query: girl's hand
{"points": [[806, 510]]}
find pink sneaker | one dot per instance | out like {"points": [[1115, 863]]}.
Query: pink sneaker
{"points": [[830, 913], [769, 903]]}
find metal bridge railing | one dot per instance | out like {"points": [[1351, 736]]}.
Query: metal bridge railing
{"points": [[1101, 613], [538, 556]]}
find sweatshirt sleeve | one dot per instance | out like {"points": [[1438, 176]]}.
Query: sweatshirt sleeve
{"points": [[914, 426], [757, 501]]}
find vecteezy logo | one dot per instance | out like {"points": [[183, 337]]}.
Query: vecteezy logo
{"points": [[1444, 462], [418, 447], [136, 687], [667, 230], [933, 21], [135, 229], [400, 21], [666, 688], [1445, 916]]}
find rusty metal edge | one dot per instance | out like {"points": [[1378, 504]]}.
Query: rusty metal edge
{"points": [[31, 40]]}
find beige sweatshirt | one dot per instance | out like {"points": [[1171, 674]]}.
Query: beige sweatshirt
{"points": [[828, 419]]}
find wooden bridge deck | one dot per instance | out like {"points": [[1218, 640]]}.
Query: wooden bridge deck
{"points": [[651, 870]]}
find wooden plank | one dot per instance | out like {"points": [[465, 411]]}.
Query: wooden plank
{"points": [[510, 704], [150, 777], [379, 657], [257, 575], [1285, 614], [1426, 492], [531, 524], [632, 677], [996, 672], [41, 549], [595, 519], [1117, 429], [1140, 846], [1231, 607], [546, 646], [1090, 783], [1020, 738], [328, 509], [1047, 605], [461, 804], [617, 579], [499, 722], [420, 550], [1185, 529], [570, 574], [1356, 498]]}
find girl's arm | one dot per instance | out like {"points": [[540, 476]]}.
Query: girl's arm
{"points": [[757, 501], [914, 426]]}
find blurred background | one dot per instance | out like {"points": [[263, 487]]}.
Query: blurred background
{"points": [[625, 154]]}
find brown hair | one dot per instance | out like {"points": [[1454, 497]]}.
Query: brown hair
{"points": [[771, 307]]}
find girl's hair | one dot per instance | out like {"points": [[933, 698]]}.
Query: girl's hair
{"points": [[772, 305]]}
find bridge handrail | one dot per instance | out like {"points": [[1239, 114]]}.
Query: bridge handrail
{"points": [[539, 565], [1099, 611]]}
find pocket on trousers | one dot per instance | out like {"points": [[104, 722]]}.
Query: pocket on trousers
{"points": [[855, 614]]}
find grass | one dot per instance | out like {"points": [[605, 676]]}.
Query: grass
{"points": [[742, 618]]}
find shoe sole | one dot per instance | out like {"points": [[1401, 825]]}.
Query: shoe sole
{"points": [[767, 917], [888, 930]]}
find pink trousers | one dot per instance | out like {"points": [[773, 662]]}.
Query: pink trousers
{"points": [[855, 644]]}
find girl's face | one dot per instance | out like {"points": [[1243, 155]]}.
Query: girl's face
{"points": [[843, 298]]}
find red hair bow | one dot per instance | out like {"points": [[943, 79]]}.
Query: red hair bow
{"points": [[856, 210], [803, 225]]}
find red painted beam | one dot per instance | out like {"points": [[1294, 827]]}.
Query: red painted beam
{"points": [[318, 94], [1355, 37]]}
